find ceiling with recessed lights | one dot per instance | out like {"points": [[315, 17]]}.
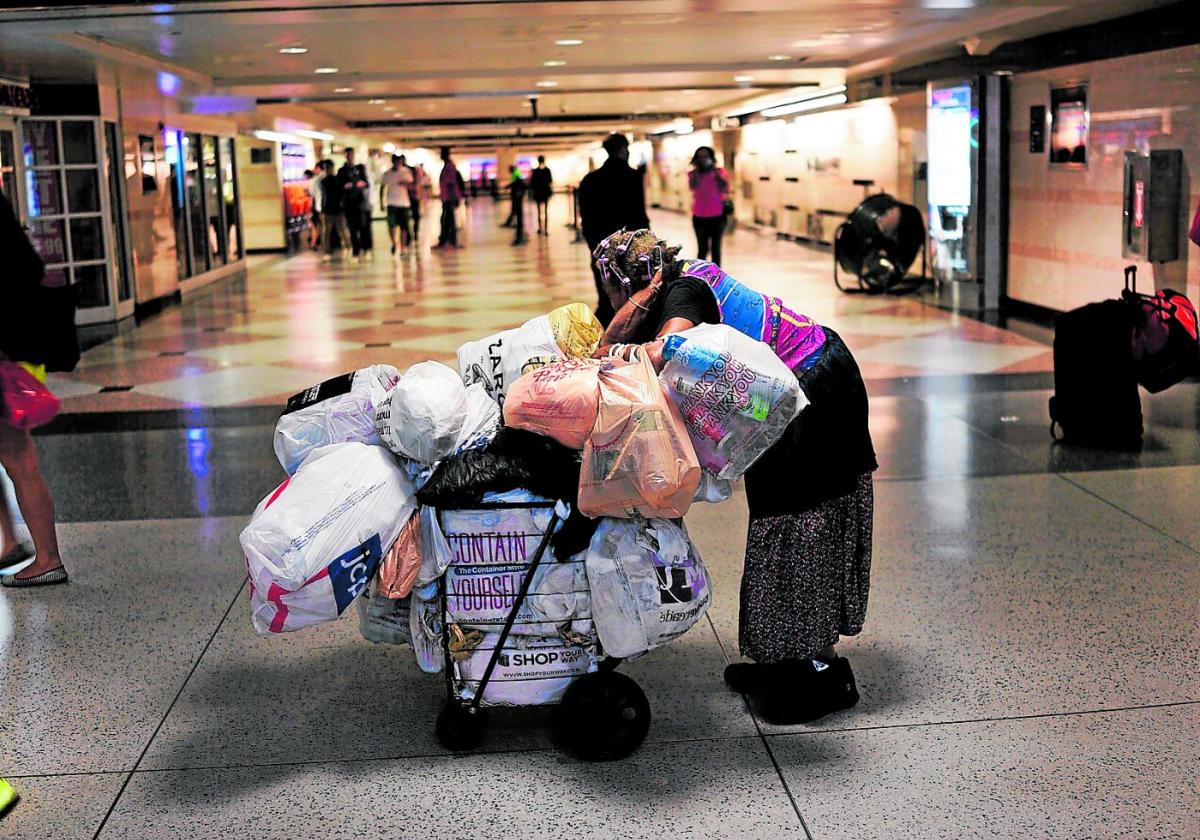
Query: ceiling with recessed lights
{"points": [[475, 69]]}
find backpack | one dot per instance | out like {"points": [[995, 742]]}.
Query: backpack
{"points": [[1096, 401]]}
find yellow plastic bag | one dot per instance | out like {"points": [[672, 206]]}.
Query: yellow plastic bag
{"points": [[576, 330], [638, 459]]}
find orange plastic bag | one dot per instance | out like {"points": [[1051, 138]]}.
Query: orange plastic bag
{"points": [[638, 459], [558, 400], [400, 565]]}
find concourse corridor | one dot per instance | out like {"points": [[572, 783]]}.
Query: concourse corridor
{"points": [[1027, 668]]}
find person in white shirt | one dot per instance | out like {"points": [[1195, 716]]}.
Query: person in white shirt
{"points": [[394, 187]]}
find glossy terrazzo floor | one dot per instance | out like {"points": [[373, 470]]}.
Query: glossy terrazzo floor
{"points": [[1028, 668]]}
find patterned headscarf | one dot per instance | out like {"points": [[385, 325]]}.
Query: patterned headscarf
{"points": [[631, 258]]}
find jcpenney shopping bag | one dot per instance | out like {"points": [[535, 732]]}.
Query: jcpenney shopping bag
{"points": [[638, 459], [314, 544]]}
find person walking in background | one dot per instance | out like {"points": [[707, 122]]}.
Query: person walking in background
{"points": [[541, 184], [333, 211], [314, 190], [516, 189], [396, 199], [414, 199], [368, 211], [610, 198], [354, 185], [451, 192], [27, 340], [710, 189]]}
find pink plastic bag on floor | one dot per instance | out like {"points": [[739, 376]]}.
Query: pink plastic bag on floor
{"points": [[25, 403], [638, 459], [558, 400]]}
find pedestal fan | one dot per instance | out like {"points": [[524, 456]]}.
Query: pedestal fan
{"points": [[877, 243]]}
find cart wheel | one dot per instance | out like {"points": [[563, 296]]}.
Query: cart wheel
{"points": [[605, 716], [459, 727]]}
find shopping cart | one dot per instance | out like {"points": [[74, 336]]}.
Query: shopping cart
{"points": [[602, 714]]}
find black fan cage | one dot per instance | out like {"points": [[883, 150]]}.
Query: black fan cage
{"points": [[879, 241]]}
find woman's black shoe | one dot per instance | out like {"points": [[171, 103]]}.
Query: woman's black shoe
{"points": [[757, 678], [828, 687]]}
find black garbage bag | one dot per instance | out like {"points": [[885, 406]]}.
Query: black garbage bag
{"points": [[514, 460]]}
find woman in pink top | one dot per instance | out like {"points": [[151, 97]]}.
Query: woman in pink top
{"points": [[710, 186]]}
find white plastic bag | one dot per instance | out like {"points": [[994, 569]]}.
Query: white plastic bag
{"points": [[712, 489], [424, 416], [648, 584], [568, 332], [315, 542], [531, 671], [385, 620], [481, 423], [734, 393], [338, 410], [492, 550]]}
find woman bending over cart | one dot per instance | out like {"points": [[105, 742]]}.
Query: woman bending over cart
{"points": [[808, 550]]}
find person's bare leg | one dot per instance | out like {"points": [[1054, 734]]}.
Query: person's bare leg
{"points": [[19, 458], [8, 531]]}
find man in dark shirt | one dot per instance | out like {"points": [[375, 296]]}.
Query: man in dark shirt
{"points": [[333, 210], [516, 190], [610, 198], [541, 184]]}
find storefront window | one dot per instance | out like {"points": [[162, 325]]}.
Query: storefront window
{"points": [[214, 206], [195, 203], [229, 196], [64, 205]]}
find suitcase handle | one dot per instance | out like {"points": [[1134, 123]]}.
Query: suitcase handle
{"points": [[1131, 278]]}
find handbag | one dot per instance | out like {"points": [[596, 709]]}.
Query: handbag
{"points": [[727, 207], [1165, 344], [25, 403]]}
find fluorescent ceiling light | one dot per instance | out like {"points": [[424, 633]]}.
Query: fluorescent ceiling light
{"points": [[276, 137], [806, 105], [554, 62], [547, 84], [778, 57], [293, 51], [376, 101], [343, 90], [314, 135], [743, 78], [325, 71], [804, 97], [568, 42], [389, 147]]}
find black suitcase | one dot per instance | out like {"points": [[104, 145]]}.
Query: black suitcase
{"points": [[1096, 401]]}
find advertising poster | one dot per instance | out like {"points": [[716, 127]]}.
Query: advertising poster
{"points": [[1069, 126]]}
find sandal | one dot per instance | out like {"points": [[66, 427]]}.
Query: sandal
{"points": [[49, 578]]}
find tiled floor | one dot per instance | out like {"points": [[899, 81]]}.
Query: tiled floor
{"points": [[1028, 667]]}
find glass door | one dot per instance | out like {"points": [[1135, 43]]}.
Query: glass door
{"points": [[213, 205], [194, 195], [10, 176], [114, 162]]}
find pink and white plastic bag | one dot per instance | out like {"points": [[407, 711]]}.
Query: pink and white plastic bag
{"points": [[315, 542]]}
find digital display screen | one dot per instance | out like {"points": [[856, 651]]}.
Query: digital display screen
{"points": [[951, 120]]}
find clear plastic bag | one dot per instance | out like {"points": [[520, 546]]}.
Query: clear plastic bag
{"points": [[648, 584], [383, 620], [734, 393], [338, 410], [638, 459]]}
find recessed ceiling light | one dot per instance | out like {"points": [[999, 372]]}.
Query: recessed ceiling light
{"points": [[743, 78], [294, 50], [376, 101], [547, 83], [689, 91], [554, 62], [568, 42], [778, 57], [343, 90], [324, 71], [389, 108]]}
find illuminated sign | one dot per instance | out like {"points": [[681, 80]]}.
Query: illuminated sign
{"points": [[950, 125]]}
